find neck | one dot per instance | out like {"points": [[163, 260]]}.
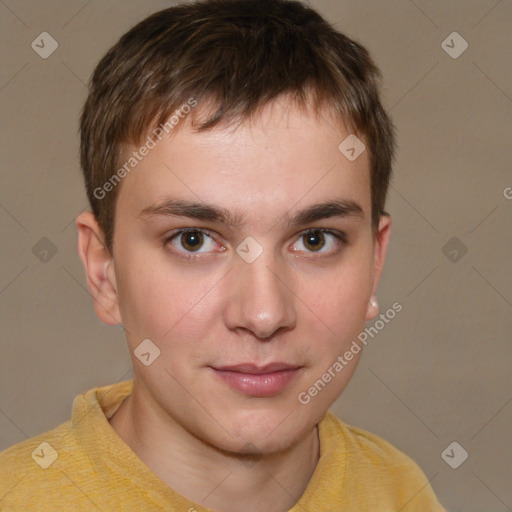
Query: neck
{"points": [[221, 481]]}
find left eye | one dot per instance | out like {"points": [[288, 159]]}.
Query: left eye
{"points": [[315, 240]]}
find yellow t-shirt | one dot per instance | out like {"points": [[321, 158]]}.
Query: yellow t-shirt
{"points": [[83, 465]]}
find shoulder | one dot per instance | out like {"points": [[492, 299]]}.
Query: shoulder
{"points": [[371, 462], [377, 449], [20, 458], [30, 468], [367, 447]]}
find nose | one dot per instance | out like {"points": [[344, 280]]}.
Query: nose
{"points": [[260, 299]]}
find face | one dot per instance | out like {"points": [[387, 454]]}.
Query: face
{"points": [[247, 257]]}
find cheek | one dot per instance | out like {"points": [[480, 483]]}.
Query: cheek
{"points": [[336, 306], [339, 297], [161, 303]]}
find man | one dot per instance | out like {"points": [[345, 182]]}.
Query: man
{"points": [[236, 157]]}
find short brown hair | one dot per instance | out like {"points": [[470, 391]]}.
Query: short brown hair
{"points": [[237, 55]]}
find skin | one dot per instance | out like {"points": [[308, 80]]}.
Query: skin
{"points": [[298, 302]]}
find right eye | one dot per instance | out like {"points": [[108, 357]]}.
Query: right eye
{"points": [[192, 241]]}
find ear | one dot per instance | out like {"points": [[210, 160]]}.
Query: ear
{"points": [[380, 245], [99, 268]]}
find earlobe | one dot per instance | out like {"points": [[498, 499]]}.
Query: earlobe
{"points": [[373, 308], [99, 269], [379, 257]]}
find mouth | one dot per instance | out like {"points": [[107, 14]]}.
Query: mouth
{"points": [[258, 381]]}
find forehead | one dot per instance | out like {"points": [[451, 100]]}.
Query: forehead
{"points": [[283, 157]]}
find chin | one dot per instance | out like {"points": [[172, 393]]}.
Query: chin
{"points": [[256, 445], [266, 431]]}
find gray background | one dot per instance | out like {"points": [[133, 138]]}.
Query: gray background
{"points": [[439, 372]]}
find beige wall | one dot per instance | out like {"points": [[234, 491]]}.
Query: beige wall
{"points": [[439, 372]]}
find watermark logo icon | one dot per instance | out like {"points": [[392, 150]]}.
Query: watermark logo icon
{"points": [[249, 250], [454, 455], [146, 352], [44, 455], [44, 250], [44, 45], [352, 148], [454, 45], [454, 250], [253, 455]]}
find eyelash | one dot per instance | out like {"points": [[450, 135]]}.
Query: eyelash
{"points": [[339, 235]]}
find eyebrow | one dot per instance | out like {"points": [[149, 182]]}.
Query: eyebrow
{"points": [[207, 212]]}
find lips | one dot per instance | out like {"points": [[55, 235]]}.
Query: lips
{"points": [[258, 370], [258, 381]]}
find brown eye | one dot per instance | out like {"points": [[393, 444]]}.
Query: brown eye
{"points": [[322, 241], [192, 240], [314, 240]]}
